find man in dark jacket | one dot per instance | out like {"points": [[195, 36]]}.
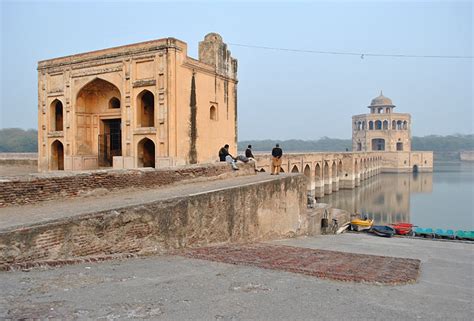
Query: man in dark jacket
{"points": [[277, 153], [248, 152], [223, 152]]}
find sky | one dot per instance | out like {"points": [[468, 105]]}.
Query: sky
{"points": [[281, 94]]}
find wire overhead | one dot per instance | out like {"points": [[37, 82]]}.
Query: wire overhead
{"points": [[359, 54]]}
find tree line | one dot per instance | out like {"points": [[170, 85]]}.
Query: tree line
{"points": [[26, 141]]}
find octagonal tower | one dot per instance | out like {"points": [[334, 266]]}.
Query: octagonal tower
{"points": [[381, 129]]}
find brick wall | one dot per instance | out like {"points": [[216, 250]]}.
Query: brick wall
{"points": [[251, 212], [42, 187]]}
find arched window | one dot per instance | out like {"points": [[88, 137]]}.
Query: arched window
{"points": [[385, 125], [363, 125], [333, 170], [56, 115], [146, 109], [339, 169], [399, 125], [405, 125], [378, 124], [371, 125], [387, 110], [213, 113], [394, 125], [146, 153], [114, 103]]}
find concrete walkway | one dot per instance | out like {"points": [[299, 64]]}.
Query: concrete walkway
{"points": [[177, 288], [27, 215]]}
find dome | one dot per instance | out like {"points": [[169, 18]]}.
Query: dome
{"points": [[381, 101]]}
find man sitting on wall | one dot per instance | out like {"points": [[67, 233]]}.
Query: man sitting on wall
{"points": [[225, 156]]}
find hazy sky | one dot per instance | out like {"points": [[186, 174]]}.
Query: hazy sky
{"points": [[282, 94]]}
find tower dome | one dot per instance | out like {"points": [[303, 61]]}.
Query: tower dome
{"points": [[381, 101]]}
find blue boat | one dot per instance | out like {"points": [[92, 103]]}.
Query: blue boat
{"points": [[383, 230], [465, 235], [444, 233], [426, 232]]}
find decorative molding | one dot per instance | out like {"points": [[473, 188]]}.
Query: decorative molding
{"points": [[144, 130], [144, 83], [55, 134], [91, 72]]}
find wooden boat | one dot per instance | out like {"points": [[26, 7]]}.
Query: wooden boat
{"points": [[402, 228], [426, 232], [465, 235], [444, 233], [383, 230], [361, 225]]}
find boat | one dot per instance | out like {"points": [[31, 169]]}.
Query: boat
{"points": [[444, 233], [343, 228], [361, 225], [425, 232], [383, 230], [402, 228], [465, 235]]}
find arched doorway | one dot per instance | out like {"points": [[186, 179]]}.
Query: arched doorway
{"points": [[57, 156], [415, 168], [146, 153], [295, 169], [98, 122]]}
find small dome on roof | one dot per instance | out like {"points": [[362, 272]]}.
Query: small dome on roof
{"points": [[381, 101]]}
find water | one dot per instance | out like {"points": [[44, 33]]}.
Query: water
{"points": [[443, 199]]}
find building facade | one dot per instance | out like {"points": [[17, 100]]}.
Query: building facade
{"points": [[141, 105], [383, 130]]}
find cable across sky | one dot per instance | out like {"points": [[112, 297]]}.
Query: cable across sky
{"points": [[359, 54]]}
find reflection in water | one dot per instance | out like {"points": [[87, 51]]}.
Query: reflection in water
{"points": [[384, 198], [443, 199]]}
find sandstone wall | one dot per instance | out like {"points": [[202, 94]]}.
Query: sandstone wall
{"points": [[252, 212], [43, 187]]}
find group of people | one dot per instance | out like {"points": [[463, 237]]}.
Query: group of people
{"points": [[225, 156]]}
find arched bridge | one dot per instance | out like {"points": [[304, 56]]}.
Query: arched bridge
{"points": [[327, 172]]}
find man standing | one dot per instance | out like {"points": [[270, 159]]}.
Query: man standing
{"points": [[276, 160]]}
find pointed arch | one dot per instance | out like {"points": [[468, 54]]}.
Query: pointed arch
{"points": [[307, 171], [56, 112], [317, 172], [333, 170], [57, 156], [295, 169], [146, 153], [145, 109], [326, 170], [339, 169]]}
